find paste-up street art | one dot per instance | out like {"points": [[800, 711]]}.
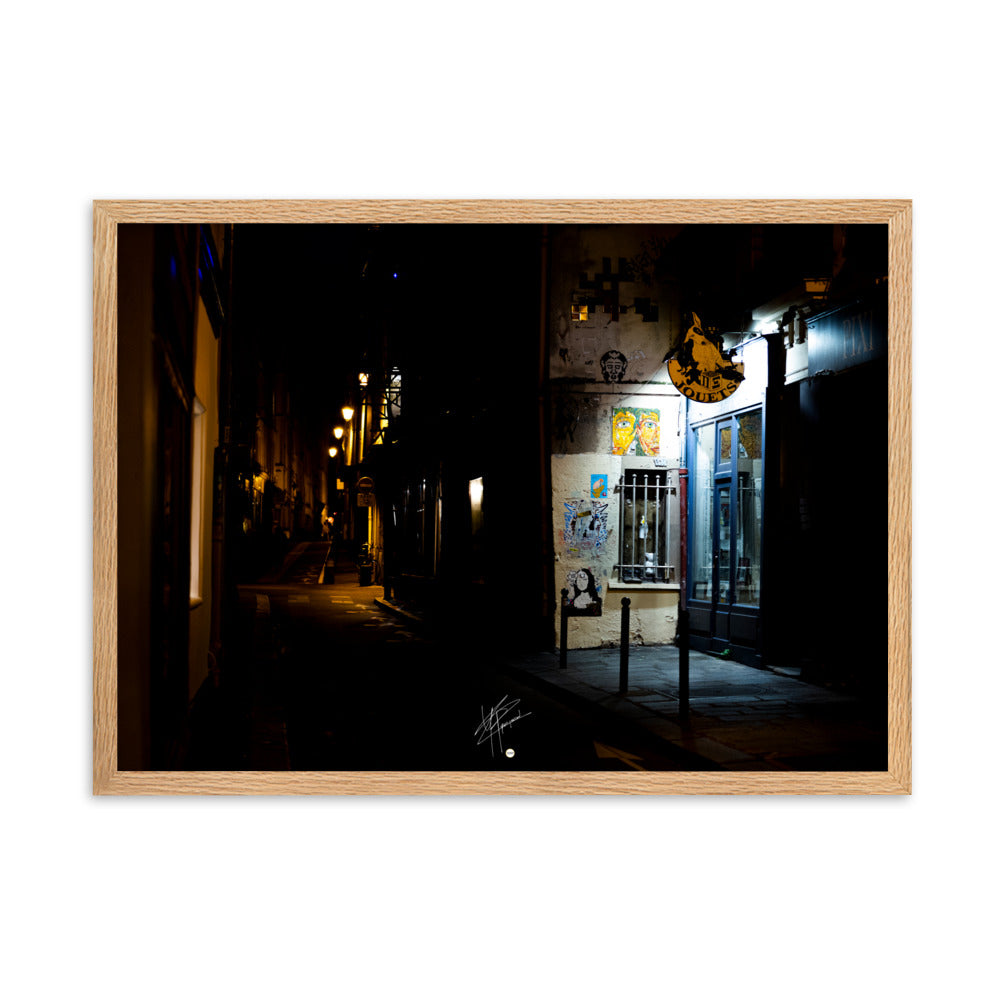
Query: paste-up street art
{"points": [[584, 590], [586, 525], [648, 433], [598, 486], [635, 431], [613, 365], [622, 432]]}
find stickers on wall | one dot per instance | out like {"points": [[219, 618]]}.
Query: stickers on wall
{"points": [[586, 525], [598, 486], [635, 431]]}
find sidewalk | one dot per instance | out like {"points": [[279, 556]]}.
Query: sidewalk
{"points": [[740, 718]]}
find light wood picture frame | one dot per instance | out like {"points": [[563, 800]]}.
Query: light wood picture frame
{"points": [[896, 215]]}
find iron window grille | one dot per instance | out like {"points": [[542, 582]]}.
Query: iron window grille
{"points": [[644, 526]]}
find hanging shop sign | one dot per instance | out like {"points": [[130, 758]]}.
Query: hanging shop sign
{"points": [[849, 337], [701, 369]]}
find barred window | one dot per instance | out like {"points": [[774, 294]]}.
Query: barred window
{"points": [[645, 527]]}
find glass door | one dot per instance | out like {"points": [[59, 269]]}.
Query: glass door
{"points": [[723, 546], [724, 524], [701, 516]]}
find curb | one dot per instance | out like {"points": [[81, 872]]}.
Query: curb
{"points": [[326, 562], [667, 748], [681, 754], [401, 612]]}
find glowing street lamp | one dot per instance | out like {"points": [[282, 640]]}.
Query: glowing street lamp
{"points": [[338, 432], [333, 452], [348, 412]]}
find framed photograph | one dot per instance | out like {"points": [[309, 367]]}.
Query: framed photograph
{"points": [[348, 537]]}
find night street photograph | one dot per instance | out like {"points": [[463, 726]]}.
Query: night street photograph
{"points": [[502, 496]]}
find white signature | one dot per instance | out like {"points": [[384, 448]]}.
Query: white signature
{"points": [[497, 720]]}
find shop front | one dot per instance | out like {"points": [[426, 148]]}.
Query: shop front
{"points": [[725, 522], [725, 459]]}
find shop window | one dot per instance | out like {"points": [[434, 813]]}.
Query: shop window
{"points": [[644, 539], [725, 509], [749, 479]]}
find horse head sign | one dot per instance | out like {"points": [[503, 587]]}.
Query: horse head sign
{"points": [[701, 369]]}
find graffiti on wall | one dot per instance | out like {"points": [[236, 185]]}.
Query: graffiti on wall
{"points": [[566, 417], [598, 486], [613, 365], [651, 263], [602, 293], [635, 431], [586, 525]]}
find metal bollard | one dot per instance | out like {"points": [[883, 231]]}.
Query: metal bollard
{"points": [[623, 667], [563, 628]]}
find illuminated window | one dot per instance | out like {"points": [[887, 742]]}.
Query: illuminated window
{"points": [[476, 491], [579, 313], [477, 548], [394, 394], [476, 503]]}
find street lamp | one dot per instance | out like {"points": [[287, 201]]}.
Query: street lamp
{"points": [[338, 432], [348, 412], [333, 452]]}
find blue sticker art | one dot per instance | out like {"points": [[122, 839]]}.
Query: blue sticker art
{"points": [[598, 486]]}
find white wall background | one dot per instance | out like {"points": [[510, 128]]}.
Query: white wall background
{"points": [[712, 897]]}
